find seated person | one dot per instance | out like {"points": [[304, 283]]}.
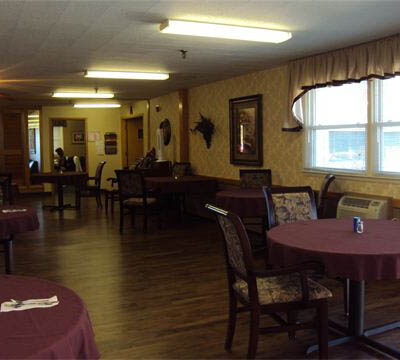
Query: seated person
{"points": [[64, 163]]}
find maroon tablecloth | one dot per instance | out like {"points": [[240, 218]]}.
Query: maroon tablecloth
{"points": [[60, 332], [17, 222], [64, 178], [243, 202], [185, 184], [372, 255]]}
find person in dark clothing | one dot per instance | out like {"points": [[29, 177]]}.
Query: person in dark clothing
{"points": [[64, 163]]}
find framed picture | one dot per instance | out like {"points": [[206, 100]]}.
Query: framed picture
{"points": [[32, 141], [245, 120], [78, 137]]}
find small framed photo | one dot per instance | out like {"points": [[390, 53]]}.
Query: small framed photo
{"points": [[246, 136], [78, 137]]}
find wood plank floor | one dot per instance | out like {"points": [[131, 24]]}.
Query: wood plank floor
{"points": [[163, 295]]}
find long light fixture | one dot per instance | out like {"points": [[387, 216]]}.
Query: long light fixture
{"points": [[91, 95], [126, 75], [223, 31], [33, 116], [97, 105]]}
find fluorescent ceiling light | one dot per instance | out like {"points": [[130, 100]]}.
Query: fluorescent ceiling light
{"points": [[126, 75], [33, 116], [91, 95], [223, 31], [97, 105]]}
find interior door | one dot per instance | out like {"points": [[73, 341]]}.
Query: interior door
{"points": [[134, 139], [13, 145]]}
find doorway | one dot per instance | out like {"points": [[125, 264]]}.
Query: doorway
{"points": [[134, 140], [70, 136]]}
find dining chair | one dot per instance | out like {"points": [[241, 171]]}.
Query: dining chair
{"points": [[111, 195], [250, 179], [290, 204], [323, 196], [133, 196], [180, 169], [94, 190], [6, 187], [284, 290]]}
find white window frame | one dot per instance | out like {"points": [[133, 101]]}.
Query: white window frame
{"points": [[373, 128]]}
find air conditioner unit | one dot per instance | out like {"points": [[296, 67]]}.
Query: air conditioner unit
{"points": [[367, 207]]}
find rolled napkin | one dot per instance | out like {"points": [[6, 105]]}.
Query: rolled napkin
{"points": [[13, 210], [17, 305]]}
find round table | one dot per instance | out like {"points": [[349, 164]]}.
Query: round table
{"points": [[13, 221], [372, 255], [184, 184], [243, 202], [60, 332]]}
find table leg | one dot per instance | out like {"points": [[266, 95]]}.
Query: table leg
{"points": [[8, 254]]}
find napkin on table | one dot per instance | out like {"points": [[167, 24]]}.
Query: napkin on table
{"points": [[14, 305]]}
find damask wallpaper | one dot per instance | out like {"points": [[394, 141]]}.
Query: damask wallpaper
{"points": [[283, 151]]}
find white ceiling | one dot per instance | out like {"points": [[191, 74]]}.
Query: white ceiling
{"points": [[46, 45]]}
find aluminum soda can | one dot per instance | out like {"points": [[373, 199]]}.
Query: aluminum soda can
{"points": [[356, 222], [360, 228]]}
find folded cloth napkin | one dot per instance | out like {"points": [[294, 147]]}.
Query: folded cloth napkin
{"points": [[17, 305], [13, 210]]}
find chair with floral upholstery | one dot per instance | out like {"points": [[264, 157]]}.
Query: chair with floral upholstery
{"points": [[251, 179], [285, 290], [180, 169], [289, 204], [132, 195]]}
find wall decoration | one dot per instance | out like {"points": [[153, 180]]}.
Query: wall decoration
{"points": [[110, 143], [78, 137], [206, 128], [166, 126], [245, 120], [32, 141], [93, 136]]}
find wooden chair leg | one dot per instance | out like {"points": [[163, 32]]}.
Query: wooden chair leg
{"points": [[292, 319], [112, 203], [99, 197], [121, 219], [106, 199], [231, 323], [346, 296], [323, 329], [133, 214], [144, 220], [253, 337], [8, 255]]}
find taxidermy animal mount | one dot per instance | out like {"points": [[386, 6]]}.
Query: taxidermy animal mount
{"points": [[206, 128]]}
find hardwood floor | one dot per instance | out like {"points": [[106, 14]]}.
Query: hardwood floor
{"points": [[163, 295]]}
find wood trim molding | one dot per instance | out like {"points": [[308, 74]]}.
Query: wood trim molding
{"points": [[183, 125]]}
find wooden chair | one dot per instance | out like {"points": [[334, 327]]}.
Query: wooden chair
{"points": [[132, 195], [323, 196], [180, 169], [6, 187], [251, 179], [285, 290], [290, 204], [94, 190], [111, 195]]}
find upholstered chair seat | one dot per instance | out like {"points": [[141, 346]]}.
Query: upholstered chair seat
{"points": [[282, 289]]}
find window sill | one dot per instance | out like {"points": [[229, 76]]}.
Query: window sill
{"points": [[354, 176]]}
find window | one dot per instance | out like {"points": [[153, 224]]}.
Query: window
{"points": [[347, 132]]}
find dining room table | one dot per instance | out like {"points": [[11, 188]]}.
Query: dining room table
{"points": [[61, 179], [63, 331], [15, 219], [373, 254]]}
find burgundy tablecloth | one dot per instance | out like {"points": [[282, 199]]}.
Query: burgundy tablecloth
{"points": [[372, 255], [65, 178], [17, 222], [185, 184], [243, 202], [60, 332]]}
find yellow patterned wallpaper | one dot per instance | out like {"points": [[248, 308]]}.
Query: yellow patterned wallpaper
{"points": [[169, 109], [282, 150]]}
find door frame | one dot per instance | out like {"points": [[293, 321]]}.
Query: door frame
{"points": [[51, 140], [124, 137]]}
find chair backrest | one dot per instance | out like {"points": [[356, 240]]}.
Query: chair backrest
{"points": [[99, 171], [77, 162], [323, 195], [180, 169], [6, 188], [130, 184], [289, 204], [238, 255], [255, 178]]}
